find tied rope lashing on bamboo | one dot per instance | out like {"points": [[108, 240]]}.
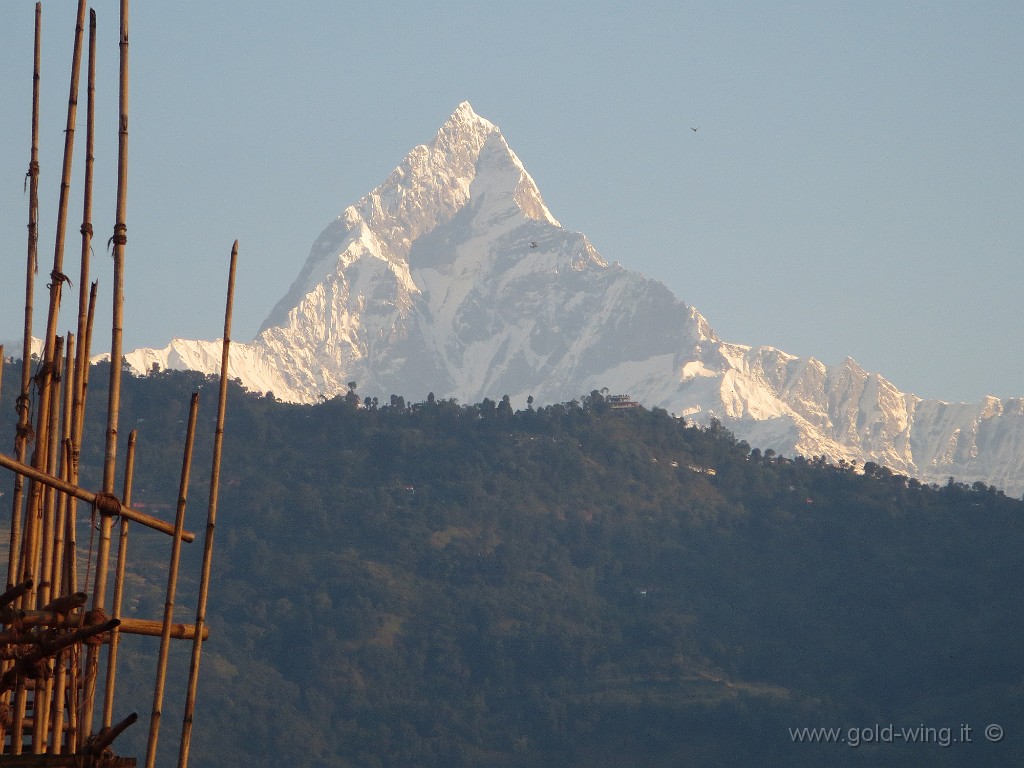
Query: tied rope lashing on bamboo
{"points": [[120, 236], [107, 504], [23, 405], [46, 371], [103, 504], [33, 170], [86, 231], [58, 278]]}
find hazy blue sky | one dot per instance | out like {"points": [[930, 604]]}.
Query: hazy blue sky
{"points": [[856, 186]]}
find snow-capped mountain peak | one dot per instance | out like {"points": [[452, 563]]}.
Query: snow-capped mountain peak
{"points": [[428, 188], [453, 277]]}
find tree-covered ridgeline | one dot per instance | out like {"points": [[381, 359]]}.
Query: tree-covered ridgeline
{"points": [[442, 584]]}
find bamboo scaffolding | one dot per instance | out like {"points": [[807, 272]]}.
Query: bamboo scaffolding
{"points": [[44, 622], [172, 586], [211, 520]]}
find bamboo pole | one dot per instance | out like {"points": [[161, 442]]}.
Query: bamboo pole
{"points": [[60, 524], [172, 586], [73, 676], [77, 426], [71, 638], [13, 593], [57, 279], [57, 685], [51, 500], [122, 557], [24, 423], [18, 721], [129, 626], [106, 737], [51, 527], [86, 305], [34, 510], [90, 156], [119, 239], [105, 504], [44, 545], [57, 276], [59, 682], [211, 521], [37, 517], [153, 628]]}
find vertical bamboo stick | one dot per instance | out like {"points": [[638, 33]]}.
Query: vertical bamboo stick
{"points": [[57, 277], [44, 688], [65, 183], [172, 586], [60, 525], [211, 522], [119, 240], [59, 569], [77, 426], [82, 360], [36, 518], [51, 500], [122, 557], [51, 503], [24, 428], [86, 307], [18, 721], [73, 677]]}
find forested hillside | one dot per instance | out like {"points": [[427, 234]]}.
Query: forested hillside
{"points": [[437, 584]]}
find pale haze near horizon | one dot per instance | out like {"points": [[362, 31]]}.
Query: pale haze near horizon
{"points": [[855, 185]]}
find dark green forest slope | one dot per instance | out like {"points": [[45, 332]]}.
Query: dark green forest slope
{"points": [[445, 585]]}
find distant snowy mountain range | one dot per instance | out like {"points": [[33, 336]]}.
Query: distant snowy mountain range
{"points": [[453, 277]]}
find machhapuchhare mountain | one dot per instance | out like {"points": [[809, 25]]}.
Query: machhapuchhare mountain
{"points": [[453, 277]]}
